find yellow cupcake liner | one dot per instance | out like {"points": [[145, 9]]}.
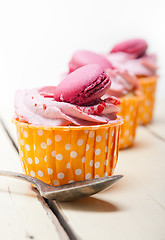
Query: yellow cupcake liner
{"points": [[129, 108], [61, 155], [148, 88]]}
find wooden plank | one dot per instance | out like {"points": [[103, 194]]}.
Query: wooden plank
{"points": [[135, 207], [6, 119], [24, 215], [157, 127], [6, 115]]}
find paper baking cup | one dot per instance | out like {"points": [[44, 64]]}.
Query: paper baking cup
{"points": [[129, 108], [148, 87], [61, 155]]}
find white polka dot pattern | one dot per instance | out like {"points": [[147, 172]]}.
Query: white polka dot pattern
{"points": [[36, 160], [25, 134], [61, 175], [97, 165], [55, 182], [106, 136], [43, 145], [83, 160], [148, 88], [57, 138], [40, 132], [91, 134], [27, 147], [106, 149], [106, 162], [40, 173], [67, 146], [73, 154], [91, 163], [32, 173], [129, 112], [30, 160], [68, 165], [71, 181], [86, 131], [50, 171], [53, 153], [87, 147], [80, 142], [21, 153], [88, 176], [98, 151], [98, 138], [49, 141], [22, 142], [59, 157], [78, 171]]}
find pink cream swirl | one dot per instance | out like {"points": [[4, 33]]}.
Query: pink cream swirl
{"points": [[38, 107], [142, 66], [124, 78], [122, 83]]}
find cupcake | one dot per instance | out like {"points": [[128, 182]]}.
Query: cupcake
{"points": [[69, 133], [131, 55], [126, 87], [83, 57]]}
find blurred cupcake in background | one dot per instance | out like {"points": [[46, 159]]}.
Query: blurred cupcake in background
{"points": [[123, 85], [83, 57], [126, 87], [132, 56]]}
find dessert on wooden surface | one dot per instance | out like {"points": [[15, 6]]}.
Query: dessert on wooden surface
{"points": [[69, 133]]}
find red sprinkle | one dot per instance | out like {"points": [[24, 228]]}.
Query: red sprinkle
{"points": [[32, 97], [79, 108], [44, 106], [100, 108], [35, 104], [114, 100], [103, 104]]}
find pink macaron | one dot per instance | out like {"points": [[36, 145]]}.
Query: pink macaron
{"points": [[132, 46], [83, 86], [82, 58]]}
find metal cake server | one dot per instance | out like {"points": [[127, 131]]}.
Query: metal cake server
{"points": [[69, 191]]}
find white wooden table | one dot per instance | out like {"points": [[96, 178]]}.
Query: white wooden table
{"points": [[132, 209]]}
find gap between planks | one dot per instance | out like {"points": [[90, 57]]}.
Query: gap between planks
{"points": [[52, 205], [154, 133]]}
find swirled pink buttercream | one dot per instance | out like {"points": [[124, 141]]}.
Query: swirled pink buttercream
{"points": [[122, 83], [143, 66], [38, 107]]}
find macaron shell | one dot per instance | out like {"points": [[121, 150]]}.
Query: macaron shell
{"points": [[82, 58], [132, 46], [78, 81]]}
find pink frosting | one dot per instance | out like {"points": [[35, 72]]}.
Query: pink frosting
{"points": [[143, 66], [39, 108], [83, 57], [130, 61], [122, 83]]}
